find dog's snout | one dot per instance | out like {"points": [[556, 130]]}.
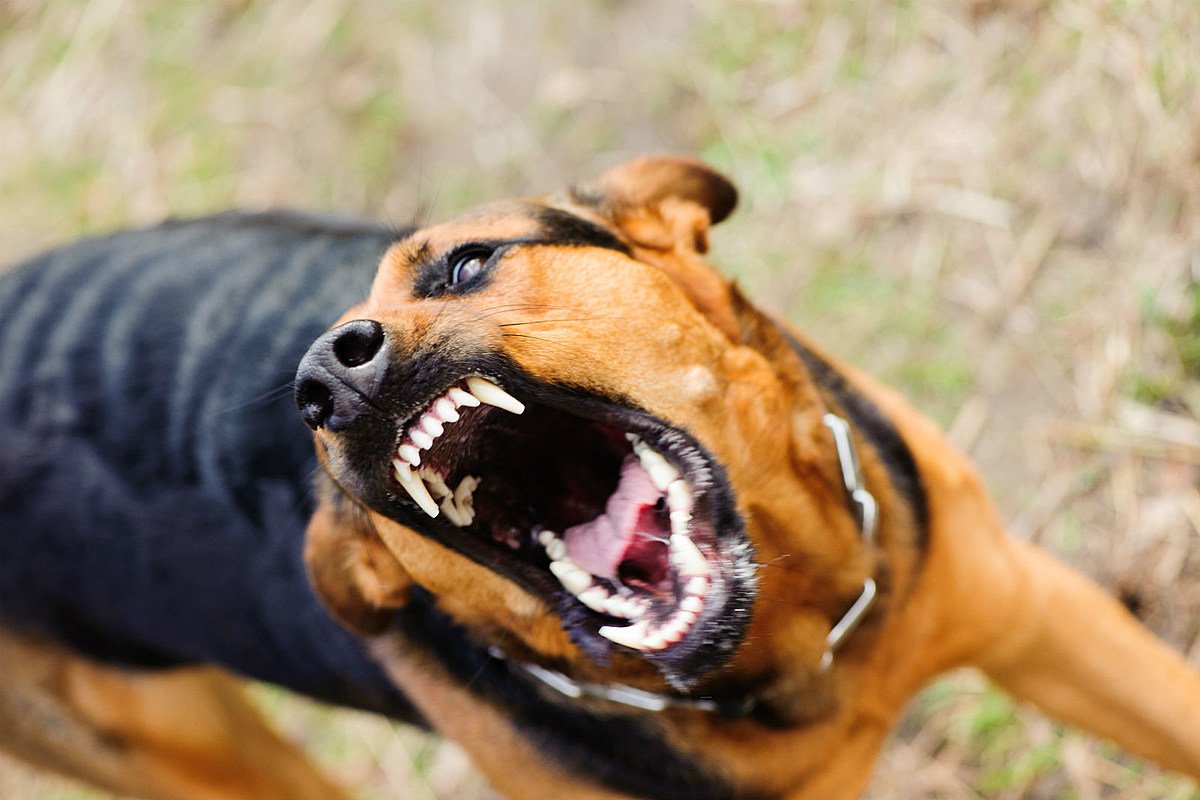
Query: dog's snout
{"points": [[340, 374]]}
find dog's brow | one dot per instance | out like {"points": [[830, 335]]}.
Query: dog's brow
{"points": [[564, 228], [412, 251]]}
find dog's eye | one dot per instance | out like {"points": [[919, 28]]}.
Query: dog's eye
{"points": [[465, 266]]}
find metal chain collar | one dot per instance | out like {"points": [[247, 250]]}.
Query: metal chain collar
{"points": [[868, 520], [867, 512]]}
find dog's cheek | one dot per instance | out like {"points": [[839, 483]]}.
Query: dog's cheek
{"points": [[355, 578], [473, 595]]}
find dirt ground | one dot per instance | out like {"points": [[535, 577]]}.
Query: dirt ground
{"points": [[994, 206]]}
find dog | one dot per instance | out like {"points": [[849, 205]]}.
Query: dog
{"points": [[575, 503]]}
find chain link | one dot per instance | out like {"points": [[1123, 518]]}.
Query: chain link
{"points": [[868, 520]]}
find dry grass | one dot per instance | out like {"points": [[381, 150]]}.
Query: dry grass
{"points": [[995, 206]]}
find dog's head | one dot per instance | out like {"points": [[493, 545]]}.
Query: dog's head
{"points": [[558, 420]]}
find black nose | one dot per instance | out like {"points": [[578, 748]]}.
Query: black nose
{"points": [[340, 374]]}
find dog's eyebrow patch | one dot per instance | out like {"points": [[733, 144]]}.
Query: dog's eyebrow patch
{"points": [[555, 227], [409, 250], [564, 228]]}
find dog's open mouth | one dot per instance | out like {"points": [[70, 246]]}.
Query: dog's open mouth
{"points": [[623, 520]]}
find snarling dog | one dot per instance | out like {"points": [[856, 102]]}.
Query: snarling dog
{"points": [[586, 510]]}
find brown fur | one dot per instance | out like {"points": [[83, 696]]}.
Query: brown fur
{"points": [[723, 372], [665, 330], [186, 734]]}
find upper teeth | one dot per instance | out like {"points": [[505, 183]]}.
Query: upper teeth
{"points": [[421, 435], [493, 395], [415, 487], [661, 473], [667, 479]]}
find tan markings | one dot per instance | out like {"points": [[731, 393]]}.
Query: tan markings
{"points": [[186, 734], [609, 323]]}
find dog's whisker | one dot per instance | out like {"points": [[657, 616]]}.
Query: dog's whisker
{"points": [[565, 345], [260, 399], [488, 313], [774, 564], [562, 319]]}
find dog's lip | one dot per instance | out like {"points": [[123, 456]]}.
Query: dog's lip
{"points": [[715, 552]]}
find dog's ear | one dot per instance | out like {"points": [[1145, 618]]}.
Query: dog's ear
{"points": [[662, 202], [355, 576], [663, 206]]}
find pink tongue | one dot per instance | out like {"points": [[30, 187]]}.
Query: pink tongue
{"points": [[598, 546]]}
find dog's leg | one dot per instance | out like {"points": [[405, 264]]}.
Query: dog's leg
{"points": [[187, 734], [1077, 653], [1039, 629]]}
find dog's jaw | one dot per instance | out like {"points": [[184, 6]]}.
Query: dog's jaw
{"points": [[624, 525]]}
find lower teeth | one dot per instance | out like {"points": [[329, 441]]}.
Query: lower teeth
{"points": [[642, 634]]}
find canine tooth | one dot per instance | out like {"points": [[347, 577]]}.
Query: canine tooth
{"points": [[432, 425], [691, 605], [593, 598], [662, 475], [573, 579], [444, 408], [687, 556], [465, 514], [420, 438], [410, 454], [679, 495], [631, 636], [557, 549], [453, 513], [465, 491], [658, 468], [435, 482], [493, 395], [415, 487], [463, 398]]}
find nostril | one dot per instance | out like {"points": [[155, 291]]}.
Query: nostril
{"points": [[315, 402], [358, 342]]}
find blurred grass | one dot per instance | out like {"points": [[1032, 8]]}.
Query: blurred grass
{"points": [[992, 205]]}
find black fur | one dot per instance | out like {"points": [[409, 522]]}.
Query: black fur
{"points": [[623, 751], [154, 477], [877, 429], [565, 228], [153, 470]]}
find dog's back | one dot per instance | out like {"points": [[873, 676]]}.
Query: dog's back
{"points": [[153, 472]]}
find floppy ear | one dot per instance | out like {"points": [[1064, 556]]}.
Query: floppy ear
{"points": [[663, 206], [354, 575], [662, 202]]}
